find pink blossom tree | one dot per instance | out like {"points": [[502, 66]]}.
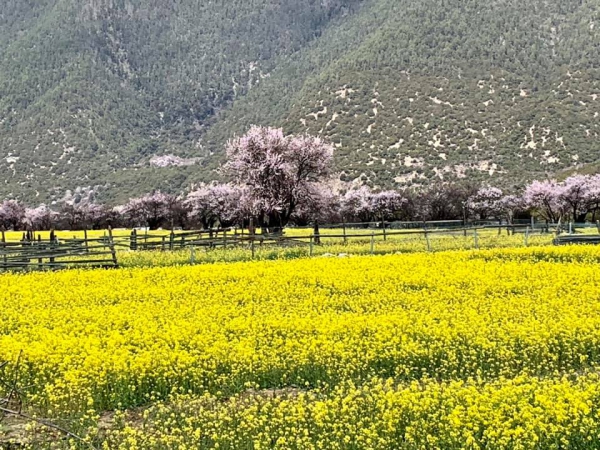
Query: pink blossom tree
{"points": [[12, 214], [511, 205], [386, 204], [575, 195], [215, 204], [546, 198], [486, 203], [364, 205], [84, 214], [357, 204], [322, 206], [278, 173], [593, 195], [153, 210], [40, 218], [445, 201]]}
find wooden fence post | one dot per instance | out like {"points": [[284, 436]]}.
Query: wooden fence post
{"points": [[317, 234], [346, 239], [132, 240], [40, 260], [85, 237], [3, 247], [476, 238], [428, 241], [192, 254], [52, 245], [251, 231], [111, 245], [172, 240], [224, 239], [163, 243], [383, 226]]}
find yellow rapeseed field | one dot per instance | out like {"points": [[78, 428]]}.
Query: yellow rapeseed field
{"points": [[458, 349]]}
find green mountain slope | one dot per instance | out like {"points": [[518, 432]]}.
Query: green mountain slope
{"points": [[91, 90], [413, 91], [408, 90]]}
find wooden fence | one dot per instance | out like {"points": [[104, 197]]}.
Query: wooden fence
{"points": [[178, 240], [223, 238], [568, 239], [34, 253]]}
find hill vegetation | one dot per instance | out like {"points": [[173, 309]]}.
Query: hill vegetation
{"points": [[122, 96]]}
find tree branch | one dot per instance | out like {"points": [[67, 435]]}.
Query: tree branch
{"points": [[47, 424]]}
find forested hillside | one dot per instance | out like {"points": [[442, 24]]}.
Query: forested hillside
{"points": [[123, 96]]}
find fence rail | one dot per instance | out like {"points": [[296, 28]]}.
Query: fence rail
{"points": [[31, 254], [223, 238], [35, 253], [577, 239]]}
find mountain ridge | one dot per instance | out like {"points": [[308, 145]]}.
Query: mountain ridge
{"points": [[409, 92]]}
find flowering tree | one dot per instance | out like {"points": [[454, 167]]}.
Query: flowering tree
{"points": [[215, 204], [84, 214], [356, 204], [593, 195], [545, 197], [575, 195], [445, 201], [12, 214], [153, 210], [322, 206], [40, 218], [486, 203], [364, 205], [278, 173], [386, 204], [510, 206]]}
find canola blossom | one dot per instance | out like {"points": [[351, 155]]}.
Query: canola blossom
{"points": [[523, 413], [458, 349]]}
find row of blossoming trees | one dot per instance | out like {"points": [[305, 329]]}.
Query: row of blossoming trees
{"points": [[276, 180]]}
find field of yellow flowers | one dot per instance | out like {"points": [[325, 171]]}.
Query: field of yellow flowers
{"points": [[481, 349]]}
